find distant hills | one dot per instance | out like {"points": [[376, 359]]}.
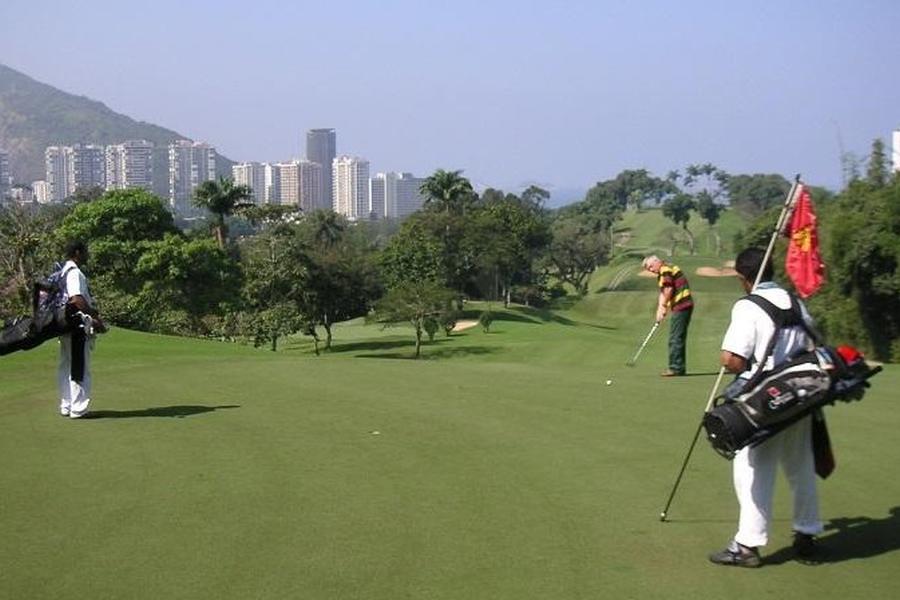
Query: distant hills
{"points": [[34, 115]]}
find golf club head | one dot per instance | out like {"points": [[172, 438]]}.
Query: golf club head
{"points": [[630, 363]]}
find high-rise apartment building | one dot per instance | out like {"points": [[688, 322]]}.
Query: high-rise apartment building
{"points": [[381, 187], [272, 183], [253, 175], [70, 168], [895, 151], [86, 166], [42, 192], [5, 181], [409, 196], [129, 165], [321, 147], [55, 173], [190, 164], [350, 180], [289, 183]]}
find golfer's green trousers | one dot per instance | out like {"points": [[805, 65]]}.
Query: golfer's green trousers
{"points": [[678, 329]]}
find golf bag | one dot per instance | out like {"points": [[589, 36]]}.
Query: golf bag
{"points": [[753, 410], [51, 316]]}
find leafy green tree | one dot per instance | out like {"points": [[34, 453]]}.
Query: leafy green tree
{"points": [[412, 255], [575, 252], [275, 267], [222, 198], [860, 302], [340, 280], [26, 252], [877, 172], [678, 210], [755, 194], [710, 211], [414, 302], [193, 277]]}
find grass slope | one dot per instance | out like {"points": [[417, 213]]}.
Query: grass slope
{"points": [[500, 466]]}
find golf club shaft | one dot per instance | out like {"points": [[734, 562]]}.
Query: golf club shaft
{"points": [[646, 339]]}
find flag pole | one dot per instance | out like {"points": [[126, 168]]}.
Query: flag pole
{"points": [[786, 211]]}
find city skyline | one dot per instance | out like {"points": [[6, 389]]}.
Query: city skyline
{"points": [[511, 93]]}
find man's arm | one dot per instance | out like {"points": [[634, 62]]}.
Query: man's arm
{"points": [[665, 297], [733, 363]]}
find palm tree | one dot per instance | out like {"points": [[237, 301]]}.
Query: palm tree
{"points": [[327, 227], [221, 198], [447, 191]]}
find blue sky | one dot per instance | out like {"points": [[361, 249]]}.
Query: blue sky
{"points": [[560, 93]]}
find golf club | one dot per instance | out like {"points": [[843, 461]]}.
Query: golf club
{"points": [[633, 360]]}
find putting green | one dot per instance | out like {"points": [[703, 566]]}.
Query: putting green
{"points": [[499, 466]]}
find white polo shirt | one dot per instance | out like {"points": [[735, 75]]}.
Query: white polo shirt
{"points": [[751, 329], [76, 283]]}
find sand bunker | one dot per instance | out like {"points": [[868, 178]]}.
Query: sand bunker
{"points": [[460, 325], [714, 272]]}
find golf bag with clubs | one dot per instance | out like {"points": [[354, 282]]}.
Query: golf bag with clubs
{"points": [[752, 410], [51, 316]]}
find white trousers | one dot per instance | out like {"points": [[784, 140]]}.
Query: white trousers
{"points": [[754, 483], [74, 397]]}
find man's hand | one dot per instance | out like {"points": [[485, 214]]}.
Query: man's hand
{"points": [[99, 325], [660, 314]]}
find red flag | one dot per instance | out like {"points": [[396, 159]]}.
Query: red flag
{"points": [[804, 263]]}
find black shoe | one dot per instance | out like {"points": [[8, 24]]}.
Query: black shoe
{"points": [[805, 545], [736, 555]]}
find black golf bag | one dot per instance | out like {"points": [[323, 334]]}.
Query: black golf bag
{"points": [[51, 316], [753, 410]]}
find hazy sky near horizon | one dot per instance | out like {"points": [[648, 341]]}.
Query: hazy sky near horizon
{"points": [[559, 93]]}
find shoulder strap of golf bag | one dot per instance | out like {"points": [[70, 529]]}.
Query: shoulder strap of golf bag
{"points": [[781, 317]]}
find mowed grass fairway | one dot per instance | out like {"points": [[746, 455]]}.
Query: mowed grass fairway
{"points": [[499, 466]]}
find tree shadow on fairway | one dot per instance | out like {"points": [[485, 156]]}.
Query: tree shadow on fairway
{"points": [[374, 345], [850, 538], [179, 411], [430, 354]]}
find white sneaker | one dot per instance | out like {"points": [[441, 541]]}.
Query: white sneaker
{"points": [[64, 412], [77, 415]]}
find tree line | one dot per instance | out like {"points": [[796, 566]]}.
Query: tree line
{"points": [[260, 273]]}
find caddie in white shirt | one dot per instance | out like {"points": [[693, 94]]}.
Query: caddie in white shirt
{"points": [[754, 468], [74, 374]]}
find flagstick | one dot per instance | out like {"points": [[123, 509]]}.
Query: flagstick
{"points": [[779, 226]]}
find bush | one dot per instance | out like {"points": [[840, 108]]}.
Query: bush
{"points": [[485, 320]]}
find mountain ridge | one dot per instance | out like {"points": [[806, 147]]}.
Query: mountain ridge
{"points": [[34, 115]]}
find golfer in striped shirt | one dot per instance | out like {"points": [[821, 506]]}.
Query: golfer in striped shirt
{"points": [[674, 297]]}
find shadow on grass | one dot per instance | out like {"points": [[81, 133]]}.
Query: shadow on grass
{"points": [[375, 345], [179, 411], [849, 538], [429, 353]]}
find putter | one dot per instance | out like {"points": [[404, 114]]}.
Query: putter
{"points": [[633, 360]]}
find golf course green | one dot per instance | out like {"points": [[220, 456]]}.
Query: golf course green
{"points": [[499, 466]]}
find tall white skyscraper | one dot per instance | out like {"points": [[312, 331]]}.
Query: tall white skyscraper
{"points": [[253, 175], [55, 172], [4, 174], [190, 164], [70, 168], [42, 192], [895, 151], [272, 183], [351, 187], [129, 165], [289, 183]]}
